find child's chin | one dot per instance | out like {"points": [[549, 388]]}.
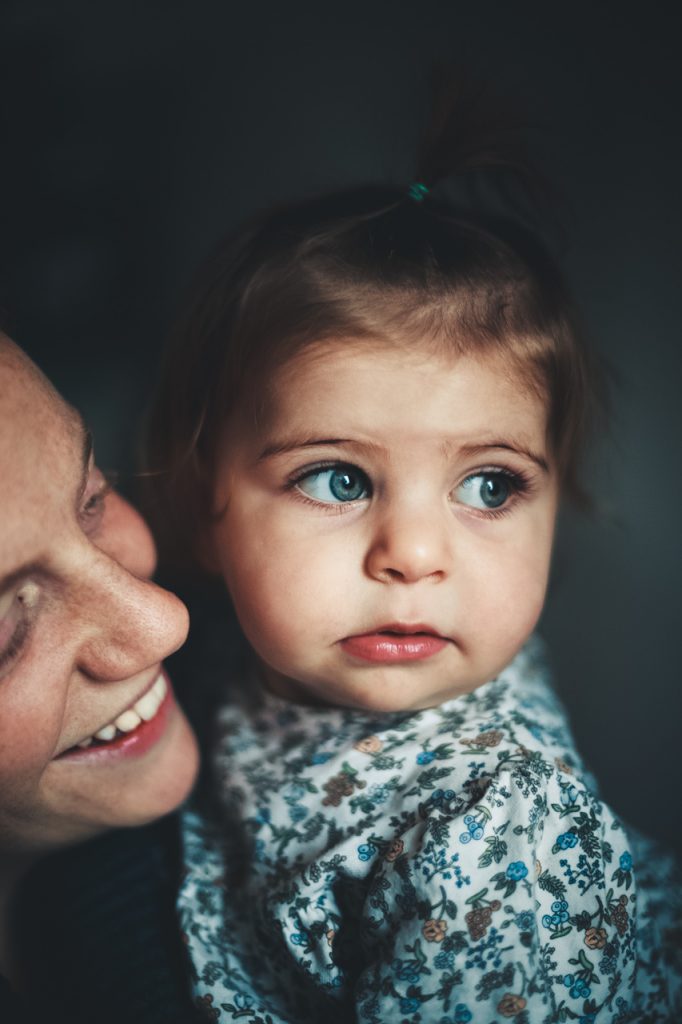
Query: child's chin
{"points": [[383, 697]]}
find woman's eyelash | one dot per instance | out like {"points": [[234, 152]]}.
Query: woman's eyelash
{"points": [[27, 597], [94, 504], [96, 500], [15, 644]]}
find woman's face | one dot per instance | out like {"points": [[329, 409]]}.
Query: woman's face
{"points": [[82, 636]]}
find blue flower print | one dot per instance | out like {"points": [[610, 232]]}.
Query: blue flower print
{"points": [[462, 1015], [243, 1001], [517, 870], [578, 987], [525, 920], [409, 1005], [445, 960], [320, 758], [475, 828], [297, 812], [441, 796], [366, 851], [569, 795], [557, 918], [299, 938], [293, 792], [607, 964], [625, 861], [426, 757], [623, 873], [567, 840], [406, 970]]}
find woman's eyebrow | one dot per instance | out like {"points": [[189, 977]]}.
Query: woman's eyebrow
{"points": [[83, 434], [87, 454]]}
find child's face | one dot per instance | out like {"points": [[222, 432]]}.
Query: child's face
{"points": [[388, 528]]}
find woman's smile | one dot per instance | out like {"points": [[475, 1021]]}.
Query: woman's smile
{"points": [[134, 730]]}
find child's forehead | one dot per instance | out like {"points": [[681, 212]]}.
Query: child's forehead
{"points": [[351, 387]]}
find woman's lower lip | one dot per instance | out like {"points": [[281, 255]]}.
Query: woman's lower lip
{"points": [[129, 744], [393, 647]]}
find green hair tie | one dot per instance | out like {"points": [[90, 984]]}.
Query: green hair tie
{"points": [[418, 191]]}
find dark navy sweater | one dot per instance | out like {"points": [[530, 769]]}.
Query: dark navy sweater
{"points": [[97, 935]]}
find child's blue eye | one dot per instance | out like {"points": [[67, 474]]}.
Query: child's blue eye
{"points": [[485, 491], [335, 484]]}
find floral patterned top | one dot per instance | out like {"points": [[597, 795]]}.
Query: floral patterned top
{"points": [[446, 865]]}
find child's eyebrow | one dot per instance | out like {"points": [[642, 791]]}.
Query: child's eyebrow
{"points": [[510, 446], [449, 447], [280, 448]]}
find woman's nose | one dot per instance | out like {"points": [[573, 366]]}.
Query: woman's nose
{"points": [[128, 624], [408, 546]]}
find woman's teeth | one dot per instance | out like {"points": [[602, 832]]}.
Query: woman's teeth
{"points": [[142, 711]]}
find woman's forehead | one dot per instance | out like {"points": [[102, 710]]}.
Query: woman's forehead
{"points": [[39, 432], [26, 395]]}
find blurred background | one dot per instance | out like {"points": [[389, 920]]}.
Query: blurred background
{"points": [[134, 134]]}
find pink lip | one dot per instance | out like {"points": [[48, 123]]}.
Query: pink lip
{"points": [[130, 744], [395, 643]]}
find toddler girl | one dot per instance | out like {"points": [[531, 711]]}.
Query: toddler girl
{"points": [[371, 414]]}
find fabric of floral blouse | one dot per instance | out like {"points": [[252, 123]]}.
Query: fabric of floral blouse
{"points": [[446, 865]]}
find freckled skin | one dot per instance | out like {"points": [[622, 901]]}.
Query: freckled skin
{"points": [[303, 576], [98, 632]]}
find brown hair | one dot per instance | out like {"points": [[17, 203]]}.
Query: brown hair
{"points": [[463, 267]]}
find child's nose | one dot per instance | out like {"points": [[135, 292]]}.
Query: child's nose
{"points": [[408, 546]]}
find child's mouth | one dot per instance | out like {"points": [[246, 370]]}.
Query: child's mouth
{"points": [[395, 643]]}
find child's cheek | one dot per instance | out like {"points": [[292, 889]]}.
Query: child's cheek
{"points": [[280, 595], [510, 605]]}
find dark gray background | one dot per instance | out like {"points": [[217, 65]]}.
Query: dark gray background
{"points": [[134, 135]]}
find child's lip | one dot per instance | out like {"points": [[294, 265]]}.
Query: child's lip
{"points": [[404, 628], [395, 643]]}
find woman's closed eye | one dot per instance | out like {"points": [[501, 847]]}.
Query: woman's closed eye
{"points": [[334, 484], [92, 504], [491, 491], [16, 606]]}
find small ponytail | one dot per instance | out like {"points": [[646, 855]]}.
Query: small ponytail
{"points": [[475, 155]]}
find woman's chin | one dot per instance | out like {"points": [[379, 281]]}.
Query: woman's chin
{"points": [[167, 783]]}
